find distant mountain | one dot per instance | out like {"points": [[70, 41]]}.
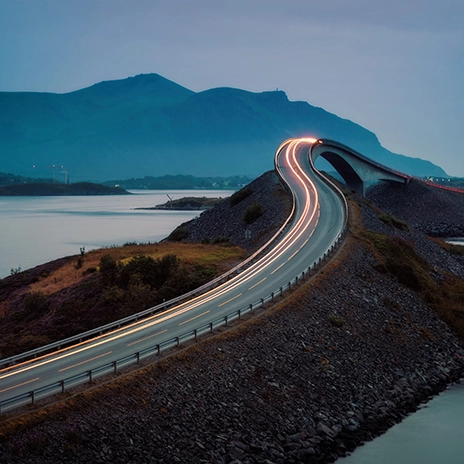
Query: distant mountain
{"points": [[148, 125]]}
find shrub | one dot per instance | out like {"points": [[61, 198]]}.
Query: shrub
{"points": [[35, 302], [90, 270], [253, 212], [393, 222], [148, 271], [237, 197], [336, 321], [178, 234], [108, 271], [220, 240]]}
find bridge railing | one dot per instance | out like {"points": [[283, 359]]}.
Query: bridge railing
{"points": [[114, 366]]}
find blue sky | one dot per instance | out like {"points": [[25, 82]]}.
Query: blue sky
{"points": [[396, 68]]}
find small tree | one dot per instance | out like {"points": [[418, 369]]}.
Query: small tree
{"points": [[253, 212], [108, 271]]}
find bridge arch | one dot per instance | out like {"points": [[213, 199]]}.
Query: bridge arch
{"points": [[354, 168]]}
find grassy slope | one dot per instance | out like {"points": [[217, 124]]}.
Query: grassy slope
{"points": [[63, 301]]}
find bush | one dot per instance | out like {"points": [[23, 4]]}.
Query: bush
{"points": [[253, 212], [35, 302], [148, 271], [237, 197], [336, 321], [108, 271], [178, 234]]}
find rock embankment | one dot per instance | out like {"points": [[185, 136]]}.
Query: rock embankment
{"points": [[434, 211], [338, 362], [225, 222]]}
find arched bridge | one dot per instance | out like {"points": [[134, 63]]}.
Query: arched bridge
{"points": [[354, 168]]}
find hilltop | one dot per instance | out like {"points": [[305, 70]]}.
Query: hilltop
{"points": [[148, 125], [343, 358]]}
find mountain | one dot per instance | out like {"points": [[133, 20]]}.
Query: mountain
{"points": [[148, 125]]}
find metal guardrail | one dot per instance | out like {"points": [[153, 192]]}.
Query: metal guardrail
{"points": [[87, 376]]}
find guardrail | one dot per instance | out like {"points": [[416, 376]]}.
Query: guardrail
{"points": [[112, 367]]}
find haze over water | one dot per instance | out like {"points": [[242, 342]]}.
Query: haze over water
{"points": [[36, 230]]}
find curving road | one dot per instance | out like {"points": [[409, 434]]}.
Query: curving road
{"points": [[318, 219]]}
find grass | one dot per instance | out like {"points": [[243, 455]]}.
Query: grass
{"points": [[65, 301], [190, 254]]}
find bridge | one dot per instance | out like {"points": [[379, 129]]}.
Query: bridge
{"points": [[355, 169]]}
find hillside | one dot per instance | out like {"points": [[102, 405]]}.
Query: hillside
{"points": [[148, 125], [345, 357]]}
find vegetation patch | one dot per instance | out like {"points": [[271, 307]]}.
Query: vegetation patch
{"points": [[336, 321], [253, 212], [178, 234], [398, 257], [237, 197], [112, 283], [393, 222]]}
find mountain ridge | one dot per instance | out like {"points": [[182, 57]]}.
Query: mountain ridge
{"points": [[147, 124]]}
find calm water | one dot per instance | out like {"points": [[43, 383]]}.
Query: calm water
{"points": [[35, 230], [432, 435]]}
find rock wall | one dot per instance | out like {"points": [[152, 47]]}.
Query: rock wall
{"points": [[338, 362]]}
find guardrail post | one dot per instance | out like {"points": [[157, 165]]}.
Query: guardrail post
{"points": [[195, 334], [211, 327], [262, 302], [272, 296], [138, 357], [281, 291], [239, 313], [62, 386], [90, 376], [251, 307], [159, 349], [115, 367], [225, 320], [177, 340]]}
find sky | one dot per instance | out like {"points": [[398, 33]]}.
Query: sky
{"points": [[396, 68]]}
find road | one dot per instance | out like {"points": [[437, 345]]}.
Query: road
{"points": [[318, 220]]}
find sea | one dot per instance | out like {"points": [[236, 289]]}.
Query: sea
{"points": [[35, 230]]}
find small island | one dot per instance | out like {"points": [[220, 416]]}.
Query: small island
{"points": [[187, 204], [53, 189]]}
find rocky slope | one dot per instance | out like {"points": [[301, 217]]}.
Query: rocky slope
{"points": [[434, 211], [225, 221], [339, 361]]}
